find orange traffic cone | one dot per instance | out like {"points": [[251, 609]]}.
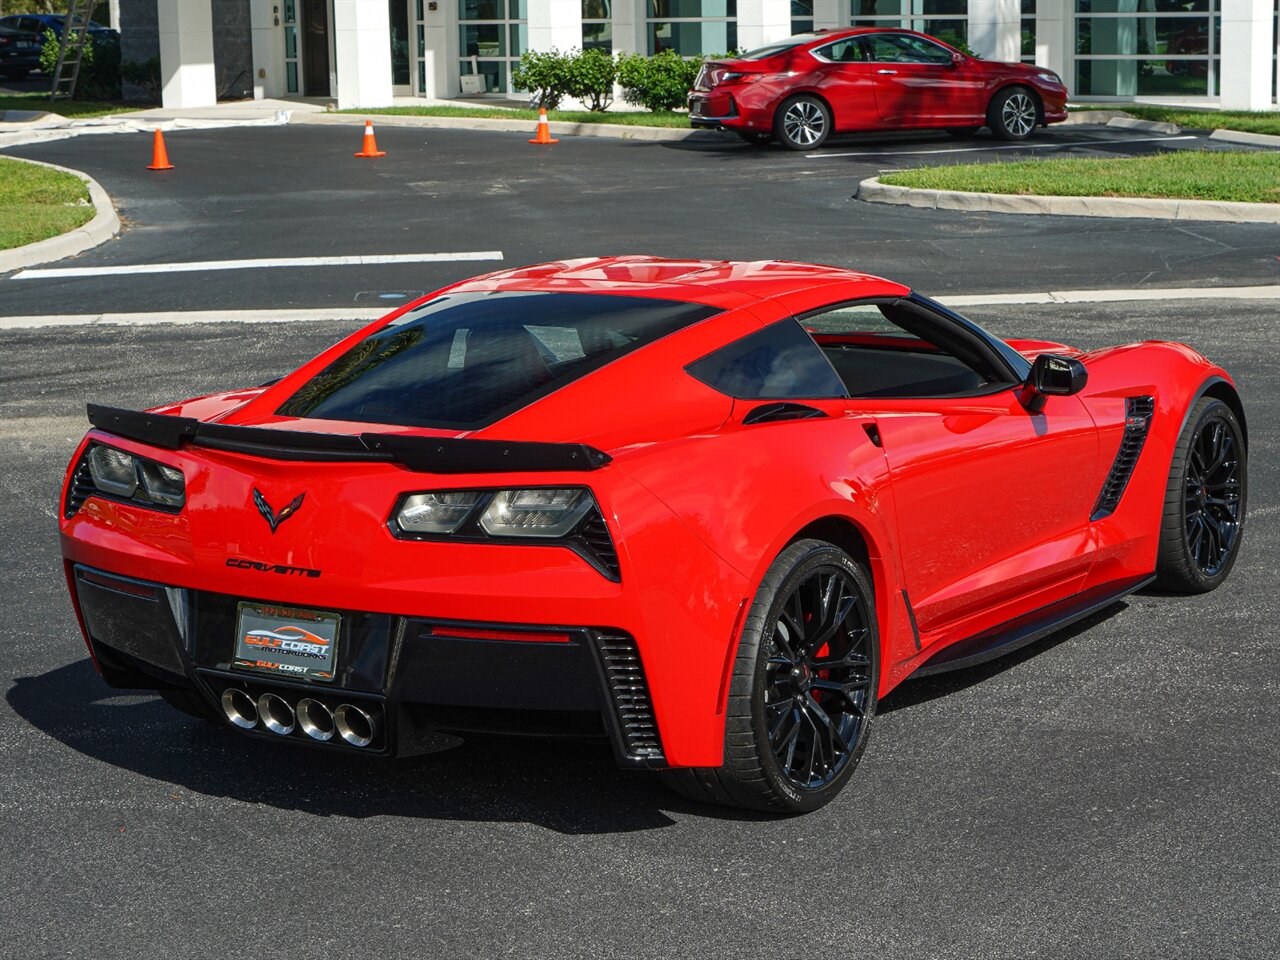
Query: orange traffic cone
{"points": [[159, 155], [544, 129], [370, 144]]}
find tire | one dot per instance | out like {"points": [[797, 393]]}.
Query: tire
{"points": [[962, 133], [754, 137], [775, 688], [1013, 114], [802, 123], [1200, 533], [189, 702]]}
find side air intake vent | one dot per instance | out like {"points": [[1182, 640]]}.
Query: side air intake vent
{"points": [[629, 691], [1137, 421]]}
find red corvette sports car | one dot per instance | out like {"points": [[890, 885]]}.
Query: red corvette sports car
{"points": [[801, 90], [709, 510]]}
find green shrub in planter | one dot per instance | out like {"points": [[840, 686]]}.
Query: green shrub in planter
{"points": [[99, 77], [591, 77], [545, 74], [660, 82]]}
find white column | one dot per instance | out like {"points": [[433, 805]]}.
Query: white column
{"points": [[555, 24], [441, 57], [995, 29], [830, 13], [630, 33], [362, 48], [187, 78], [113, 11], [1055, 40], [763, 21], [1247, 44], [268, 50]]}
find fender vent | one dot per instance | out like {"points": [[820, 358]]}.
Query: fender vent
{"points": [[81, 487], [596, 545], [1137, 421], [629, 691]]}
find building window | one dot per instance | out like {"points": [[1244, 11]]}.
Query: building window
{"points": [[492, 34], [597, 25], [1147, 48], [290, 46], [692, 28], [948, 20], [1028, 50], [801, 16]]}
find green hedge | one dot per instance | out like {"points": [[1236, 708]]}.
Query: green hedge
{"points": [[658, 83]]}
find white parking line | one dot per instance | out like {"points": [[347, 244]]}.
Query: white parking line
{"points": [[1012, 146], [194, 266], [353, 315]]}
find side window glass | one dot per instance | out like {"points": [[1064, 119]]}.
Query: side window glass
{"points": [[900, 48], [896, 350], [848, 50], [780, 362]]}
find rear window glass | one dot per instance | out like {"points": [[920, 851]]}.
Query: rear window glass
{"points": [[763, 53], [468, 359], [780, 362]]}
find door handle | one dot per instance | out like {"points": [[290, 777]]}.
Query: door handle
{"points": [[887, 71]]}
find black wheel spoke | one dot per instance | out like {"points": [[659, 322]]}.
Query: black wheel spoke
{"points": [[1212, 496], [815, 706]]}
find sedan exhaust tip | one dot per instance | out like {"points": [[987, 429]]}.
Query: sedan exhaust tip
{"points": [[277, 716], [240, 708], [354, 725], [316, 720]]}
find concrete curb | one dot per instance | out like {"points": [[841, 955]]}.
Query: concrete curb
{"points": [[1091, 116], [1153, 126], [1240, 136], [873, 191], [104, 225], [616, 131]]}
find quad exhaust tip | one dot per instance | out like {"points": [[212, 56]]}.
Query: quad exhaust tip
{"points": [[316, 720], [354, 725], [276, 714], [240, 708]]}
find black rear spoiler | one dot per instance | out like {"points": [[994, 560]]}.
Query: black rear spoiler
{"points": [[421, 454]]}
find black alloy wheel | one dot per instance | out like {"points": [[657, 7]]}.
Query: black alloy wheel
{"points": [[1013, 114], [1205, 501], [803, 690], [802, 123]]}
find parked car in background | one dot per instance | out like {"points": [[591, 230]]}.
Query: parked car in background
{"points": [[38, 23], [19, 53], [801, 90]]}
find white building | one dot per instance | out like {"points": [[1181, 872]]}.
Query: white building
{"points": [[362, 53]]}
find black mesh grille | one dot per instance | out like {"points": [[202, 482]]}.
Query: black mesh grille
{"points": [[81, 487], [593, 539], [629, 691], [1137, 421]]}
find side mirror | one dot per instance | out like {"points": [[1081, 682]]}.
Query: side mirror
{"points": [[1052, 376], [956, 58]]}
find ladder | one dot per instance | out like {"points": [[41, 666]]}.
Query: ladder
{"points": [[75, 25]]}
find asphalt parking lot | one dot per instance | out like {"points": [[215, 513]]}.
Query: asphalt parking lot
{"points": [[1109, 791], [296, 191]]}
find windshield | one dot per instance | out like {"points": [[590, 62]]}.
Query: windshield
{"points": [[465, 360], [763, 53]]}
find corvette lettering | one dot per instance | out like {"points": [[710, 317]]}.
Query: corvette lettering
{"points": [[239, 563]]}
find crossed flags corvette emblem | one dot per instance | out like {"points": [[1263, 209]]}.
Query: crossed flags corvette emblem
{"points": [[275, 519]]}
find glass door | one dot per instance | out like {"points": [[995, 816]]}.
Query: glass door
{"points": [[398, 15]]}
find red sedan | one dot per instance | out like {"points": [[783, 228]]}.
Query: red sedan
{"points": [[801, 90], [711, 511]]}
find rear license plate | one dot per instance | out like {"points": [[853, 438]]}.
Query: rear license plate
{"points": [[697, 107], [286, 642]]}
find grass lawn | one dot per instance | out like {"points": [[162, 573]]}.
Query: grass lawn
{"points": [[1249, 122], [629, 118], [1184, 174], [69, 108], [37, 203]]}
